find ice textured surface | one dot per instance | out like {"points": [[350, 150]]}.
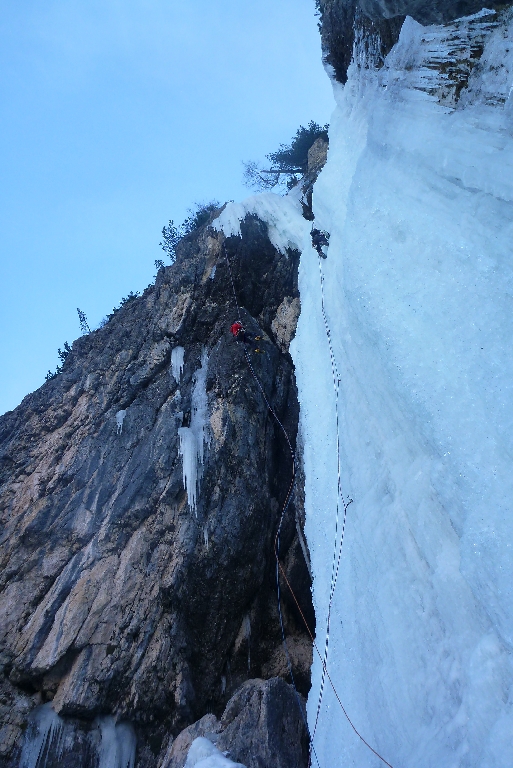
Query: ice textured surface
{"points": [[193, 438], [418, 198]]}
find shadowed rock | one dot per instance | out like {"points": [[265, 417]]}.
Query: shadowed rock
{"points": [[262, 726]]}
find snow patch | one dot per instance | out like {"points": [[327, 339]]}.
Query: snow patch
{"points": [[203, 754], [287, 227]]}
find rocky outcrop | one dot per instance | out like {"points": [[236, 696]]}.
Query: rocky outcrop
{"points": [[260, 727], [123, 593], [372, 27]]}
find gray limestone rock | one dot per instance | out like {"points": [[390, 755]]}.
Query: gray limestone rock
{"points": [[263, 726], [119, 596]]}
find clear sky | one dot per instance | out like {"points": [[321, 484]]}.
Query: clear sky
{"points": [[115, 116]]}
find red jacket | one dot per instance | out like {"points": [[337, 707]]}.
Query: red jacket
{"points": [[236, 328]]}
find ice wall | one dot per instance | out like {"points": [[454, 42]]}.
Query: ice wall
{"points": [[418, 198], [193, 438]]}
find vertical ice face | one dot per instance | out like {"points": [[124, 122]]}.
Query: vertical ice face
{"points": [[192, 438], [120, 417], [177, 363], [418, 199], [117, 747], [43, 734]]}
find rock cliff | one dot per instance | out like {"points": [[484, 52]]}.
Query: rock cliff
{"points": [[376, 24], [141, 490]]}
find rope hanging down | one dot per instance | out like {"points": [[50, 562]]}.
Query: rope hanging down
{"points": [[279, 567], [345, 504]]}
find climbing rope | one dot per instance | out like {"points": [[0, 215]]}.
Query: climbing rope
{"points": [[279, 567], [345, 504]]}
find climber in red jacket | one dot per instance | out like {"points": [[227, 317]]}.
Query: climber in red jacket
{"points": [[240, 334]]}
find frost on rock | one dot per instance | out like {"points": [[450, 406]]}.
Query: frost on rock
{"points": [[177, 363], [192, 438], [203, 754], [120, 417]]}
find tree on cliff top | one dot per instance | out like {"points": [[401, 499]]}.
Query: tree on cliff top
{"points": [[172, 234], [288, 163]]}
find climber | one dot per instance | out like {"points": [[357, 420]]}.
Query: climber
{"points": [[240, 334], [320, 239]]}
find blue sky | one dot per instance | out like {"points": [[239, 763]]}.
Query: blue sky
{"points": [[115, 116]]}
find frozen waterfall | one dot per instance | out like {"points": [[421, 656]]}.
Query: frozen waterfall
{"points": [[417, 195]]}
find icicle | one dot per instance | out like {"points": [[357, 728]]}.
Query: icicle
{"points": [[44, 734], [213, 273], [120, 417], [223, 685], [205, 537], [177, 363], [246, 633], [192, 438], [117, 748]]}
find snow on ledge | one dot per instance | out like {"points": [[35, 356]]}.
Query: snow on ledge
{"points": [[203, 754], [282, 214]]}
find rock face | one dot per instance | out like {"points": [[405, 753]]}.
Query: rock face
{"points": [[122, 593], [376, 24], [259, 728], [343, 23]]}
